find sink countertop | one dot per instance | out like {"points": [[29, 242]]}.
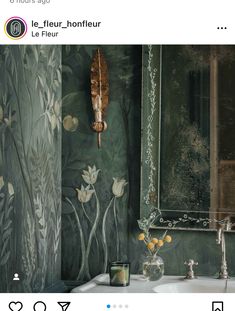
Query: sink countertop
{"points": [[138, 284]]}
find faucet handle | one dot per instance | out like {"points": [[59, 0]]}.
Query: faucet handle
{"points": [[190, 273], [191, 263]]}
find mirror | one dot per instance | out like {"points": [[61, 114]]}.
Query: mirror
{"points": [[188, 130]]}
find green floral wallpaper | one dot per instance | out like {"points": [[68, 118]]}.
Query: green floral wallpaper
{"points": [[99, 184], [30, 167]]}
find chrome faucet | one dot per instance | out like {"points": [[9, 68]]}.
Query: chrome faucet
{"points": [[223, 274], [190, 273]]}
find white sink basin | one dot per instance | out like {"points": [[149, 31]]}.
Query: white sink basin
{"points": [[203, 285], [167, 284]]}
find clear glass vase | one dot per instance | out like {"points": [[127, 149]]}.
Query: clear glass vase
{"points": [[153, 268]]}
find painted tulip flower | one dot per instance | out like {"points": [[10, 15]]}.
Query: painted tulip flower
{"points": [[84, 194], [91, 175], [1, 182], [10, 189], [9, 186], [118, 187], [1, 114]]}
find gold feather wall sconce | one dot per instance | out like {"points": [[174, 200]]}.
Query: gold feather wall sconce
{"points": [[99, 93]]}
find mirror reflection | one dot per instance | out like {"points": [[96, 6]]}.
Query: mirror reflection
{"points": [[196, 145]]}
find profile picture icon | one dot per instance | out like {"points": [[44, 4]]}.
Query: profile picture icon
{"points": [[16, 277], [15, 28]]}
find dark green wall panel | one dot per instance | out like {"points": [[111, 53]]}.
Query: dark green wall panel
{"points": [[118, 158]]}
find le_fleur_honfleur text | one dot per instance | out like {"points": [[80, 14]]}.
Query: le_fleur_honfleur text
{"points": [[54, 26]]}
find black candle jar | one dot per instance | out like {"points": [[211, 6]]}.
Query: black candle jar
{"points": [[119, 273]]}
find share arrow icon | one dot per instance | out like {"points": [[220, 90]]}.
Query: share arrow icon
{"points": [[64, 305]]}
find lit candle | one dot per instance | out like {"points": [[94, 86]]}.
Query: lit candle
{"points": [[119, 273]]}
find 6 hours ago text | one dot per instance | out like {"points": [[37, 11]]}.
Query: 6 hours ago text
{"points": [[31, 1]]}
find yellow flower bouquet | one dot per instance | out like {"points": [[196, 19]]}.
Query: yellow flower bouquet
{"points": [[153, 267]]}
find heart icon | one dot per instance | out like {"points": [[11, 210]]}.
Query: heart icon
{"points": [[15, 306]]}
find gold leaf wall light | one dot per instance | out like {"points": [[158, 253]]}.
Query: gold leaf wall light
{"points": [[99, 93]]}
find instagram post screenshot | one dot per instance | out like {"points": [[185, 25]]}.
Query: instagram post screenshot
{"points": [[117, 156]]}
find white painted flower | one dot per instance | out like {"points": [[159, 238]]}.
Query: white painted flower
{"points": [[1, 182], [10, 186], [91, 175], [53, 114], [84, 194], [53, 121], [118, 187], [10, 189], [56, 108], [1, 114], [8, 120]]}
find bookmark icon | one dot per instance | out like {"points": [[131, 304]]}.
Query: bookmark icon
{"points": [[217, 306]]}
